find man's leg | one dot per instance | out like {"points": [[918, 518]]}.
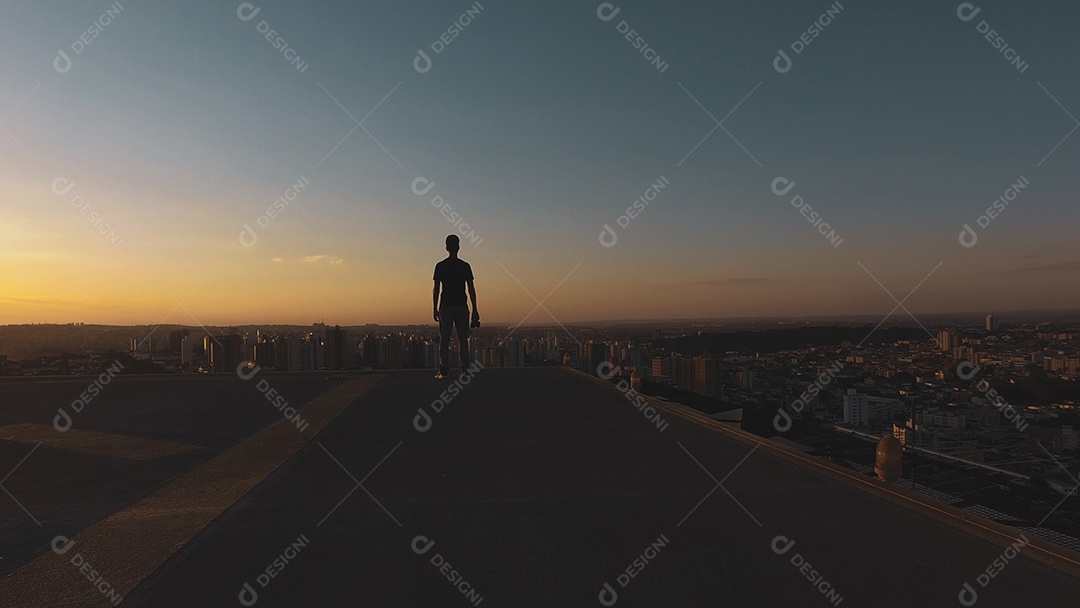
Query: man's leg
{"points": [[446, 325], [461, 320]]}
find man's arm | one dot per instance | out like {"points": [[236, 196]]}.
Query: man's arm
{"points": [[472, 295], [435, 301]]}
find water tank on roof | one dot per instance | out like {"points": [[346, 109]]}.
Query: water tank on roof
{"points": [[890, 458]]}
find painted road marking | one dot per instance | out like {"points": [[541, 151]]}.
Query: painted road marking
{"points": [[132, 543]]}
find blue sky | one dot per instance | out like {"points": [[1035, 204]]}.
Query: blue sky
{"points": [[538, 124]]}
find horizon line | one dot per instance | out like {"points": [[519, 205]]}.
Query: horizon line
{"points": [[842, 317]]}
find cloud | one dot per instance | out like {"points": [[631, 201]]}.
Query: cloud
{"points": [[314, 259], [310, 259]]}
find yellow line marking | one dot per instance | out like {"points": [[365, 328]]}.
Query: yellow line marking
{"points": [[129, 545]]}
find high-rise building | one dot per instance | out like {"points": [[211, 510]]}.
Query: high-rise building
{"points": [[395, 351], [856, 409], [416, 353], [144, 348], [264, 355], [706, 377], [175, 340], [431, 354], [282, 362], [299, 357], [339, 349], [515, 353], [374, 351], [991, 323], [187, 351], [597, 353], [661, 366], [550, 345], [223, 353], [317, 349], [745, 377], [948, 340], [682, 372]]}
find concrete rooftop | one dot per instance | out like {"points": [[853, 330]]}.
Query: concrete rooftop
{"points": [[537, 486]]}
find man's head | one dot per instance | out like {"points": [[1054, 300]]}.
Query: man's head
{"points": [[453, 243]]}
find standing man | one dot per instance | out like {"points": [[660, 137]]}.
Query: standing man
{"points": [[454, 274]]}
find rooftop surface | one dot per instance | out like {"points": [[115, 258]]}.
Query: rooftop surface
{"points": [[536, 486]]}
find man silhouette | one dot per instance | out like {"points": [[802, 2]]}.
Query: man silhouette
{"points": [[453, 274]]}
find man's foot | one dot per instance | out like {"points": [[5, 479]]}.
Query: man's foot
{"points": [[440, 376]]}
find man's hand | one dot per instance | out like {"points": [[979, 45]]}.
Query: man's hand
{"points": [[435, 314], [475, 319]]}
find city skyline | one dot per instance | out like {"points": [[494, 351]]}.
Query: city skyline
{"points": [[820, 190], [724, 298], [895, 318]]}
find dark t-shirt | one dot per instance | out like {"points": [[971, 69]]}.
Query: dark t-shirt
{"points": [[453, 273]]}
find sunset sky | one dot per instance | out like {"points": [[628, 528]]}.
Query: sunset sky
{"points": [[180, 123]]}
